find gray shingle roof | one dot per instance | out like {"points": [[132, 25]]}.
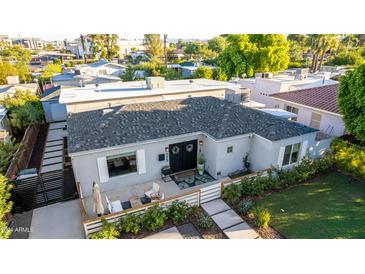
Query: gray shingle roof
{"points": [[148, 121]]}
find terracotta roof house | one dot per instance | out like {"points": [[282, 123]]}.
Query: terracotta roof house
{"points": [[131, 144], [316, 107]]}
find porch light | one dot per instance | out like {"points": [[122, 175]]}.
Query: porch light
{"points": [[166, 149], [200, 142]]}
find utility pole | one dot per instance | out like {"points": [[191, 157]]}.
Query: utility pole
{"points": [[164, 48]]}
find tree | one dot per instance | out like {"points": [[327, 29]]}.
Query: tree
{"points": [[6, 69], [5, 206], [24, 110], [192, 49], [320, 44], [298, 46], [49, 71], [352, 58], [351, 99], [16, 54], [203, 72], [217, 44], [105, 46], [246, 54], [153, 45], [23, 72], [219, 75]]}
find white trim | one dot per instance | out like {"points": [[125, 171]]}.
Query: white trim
{"points": [[103, 169], [141, 161], [303, 150], [313, 108], [281, 156]]}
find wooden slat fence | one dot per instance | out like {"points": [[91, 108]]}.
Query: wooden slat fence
{"points": [[22, 155]]}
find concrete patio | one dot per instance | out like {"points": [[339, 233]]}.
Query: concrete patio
{"points": [[57, 221]]}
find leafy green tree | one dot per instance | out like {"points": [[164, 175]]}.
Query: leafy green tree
{"points": [[351, 99], [24, 109], [352, 58], [153, 45], [217, 44], [203, 72], [192, 49], [50, 70], [298, 46], [320, 44], [15, 53], [246, 54], [23, 72], [218, 74], [105, 45], [5, 206], [6, 69]]}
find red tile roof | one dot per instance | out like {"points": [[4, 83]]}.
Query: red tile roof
{"points": [[322, 97]]}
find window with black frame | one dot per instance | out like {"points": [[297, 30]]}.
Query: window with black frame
{"points": [[291, 154], [121, 164]]}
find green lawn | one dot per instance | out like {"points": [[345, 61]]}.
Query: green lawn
{"points": [[327, 207]]}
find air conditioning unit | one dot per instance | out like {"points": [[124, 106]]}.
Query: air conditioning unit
{"points": [[155, 82]]}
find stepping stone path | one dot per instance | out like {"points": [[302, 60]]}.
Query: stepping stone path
{"points": [[233, 226], [170, 233], [188, 231]]}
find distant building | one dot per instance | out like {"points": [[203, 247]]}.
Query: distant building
{"points": [[126, 47], [80, 48], [266, 84], [29, 43]]}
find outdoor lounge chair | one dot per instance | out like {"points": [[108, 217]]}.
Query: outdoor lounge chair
{"points": [[154, 191], [114, 206]]}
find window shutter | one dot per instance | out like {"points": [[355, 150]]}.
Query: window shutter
{"points": [[141, 161], [281, 156], [304, 149], [103, 170]]}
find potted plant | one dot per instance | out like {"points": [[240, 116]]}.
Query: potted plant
{"points": [[246, 163], [201, 162]]}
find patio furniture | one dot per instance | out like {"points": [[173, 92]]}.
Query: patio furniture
{"points": [[114, 206], [154, 191], [135, 201], [165, 173]]}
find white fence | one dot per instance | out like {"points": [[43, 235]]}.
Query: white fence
{"points": [[210, 193]]}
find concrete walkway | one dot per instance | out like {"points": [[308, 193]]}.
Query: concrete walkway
{"points": [[57, 221], [229, 221], [170, 233]]}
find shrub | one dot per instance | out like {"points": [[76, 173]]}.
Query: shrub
{"points": [[203, 72], [194, 210], [108, 231], [154, 218], [131, 223], [245, 205], [262, 217], [205, 221], [349, 157], [232, 193], [7, 151], [178, 212], [5, 206]]}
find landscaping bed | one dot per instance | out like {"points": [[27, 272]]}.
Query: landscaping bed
{"points": [[191, 226]]}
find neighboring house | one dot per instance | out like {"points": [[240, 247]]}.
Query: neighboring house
{"points": [[126, 47], [53, 110], [315, 107], [5, 130], [93, 97], [10, 89], [130, 144], [78, 48], [100, 68], [188, 68], [29, 43], [266, 84]]}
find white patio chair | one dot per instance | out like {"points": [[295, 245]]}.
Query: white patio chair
{"points": [[114, 206], [154, 191]]}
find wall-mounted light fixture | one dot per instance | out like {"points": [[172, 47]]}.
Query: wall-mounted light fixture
{"points": [[200, 142], [166, 149]]}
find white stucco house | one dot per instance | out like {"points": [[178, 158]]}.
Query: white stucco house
{"points": [[266, 84], [130, 144], [315, 107], [100, 68]]}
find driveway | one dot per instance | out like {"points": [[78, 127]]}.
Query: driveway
{"points": [[57, 221]]}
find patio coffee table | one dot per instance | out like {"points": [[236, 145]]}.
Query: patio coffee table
{"points": [[135, 201]]}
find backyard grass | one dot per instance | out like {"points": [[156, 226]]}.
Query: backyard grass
{"points": [[329, 206]]}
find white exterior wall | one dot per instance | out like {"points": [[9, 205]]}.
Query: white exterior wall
{"points": [[86, 168], [327, 121]]}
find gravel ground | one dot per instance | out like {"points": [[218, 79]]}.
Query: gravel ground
{"points": [[20, 225]]}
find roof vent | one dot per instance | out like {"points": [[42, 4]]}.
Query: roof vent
{"points": [[301, 74]]}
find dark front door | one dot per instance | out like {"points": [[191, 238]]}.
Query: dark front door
{"points": [[183, 155]]}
